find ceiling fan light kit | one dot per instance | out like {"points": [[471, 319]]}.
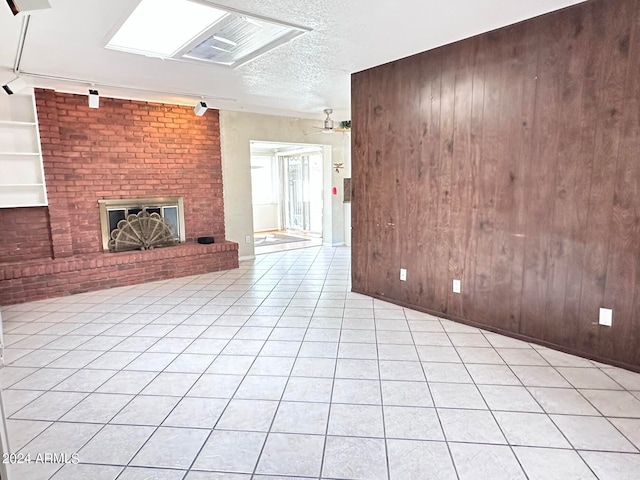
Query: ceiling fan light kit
{"points": [[328, 122]]}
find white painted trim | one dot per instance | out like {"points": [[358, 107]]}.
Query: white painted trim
{"points": [[4, 434], [336, 244], [247, 257]]}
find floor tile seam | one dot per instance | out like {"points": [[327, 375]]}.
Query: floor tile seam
{"points": [[33, 334], [56, 422], [493, 416], [384, 421], [333, 383], [44, 391], [355, 404], [186, 428], [282, 397], [566, 379], [607, 419], [433, 402], [535, 399], [229, 402]]}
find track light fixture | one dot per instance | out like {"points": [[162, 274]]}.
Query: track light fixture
{"points": [[94, 99], [14, 86], [200, 108], [17, 6]]}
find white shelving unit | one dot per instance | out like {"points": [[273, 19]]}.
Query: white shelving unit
{"points": [[21, 168]]}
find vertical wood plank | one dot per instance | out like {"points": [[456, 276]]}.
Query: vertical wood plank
{"points": [[612, 26], [510, 161], [412, 177], [568, 226], [428, 171], [518, 87], [487, 117], [447, 109], [624, 250], [462, 173], [541, 178]]}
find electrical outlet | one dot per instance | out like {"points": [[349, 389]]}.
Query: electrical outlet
{"points": [[457, 286], [247, 239], [606, 317], [403, 274]]}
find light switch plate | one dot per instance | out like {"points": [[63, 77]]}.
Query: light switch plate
{"points": [[606, 317], [403, 274], [247, 239], [457, 286]]}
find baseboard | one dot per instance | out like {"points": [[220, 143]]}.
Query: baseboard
{"points": [[337, 244], [506, 333], [246, 258]]}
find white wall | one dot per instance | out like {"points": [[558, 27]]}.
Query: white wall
{"points": [[237, 130], [265, 217]]}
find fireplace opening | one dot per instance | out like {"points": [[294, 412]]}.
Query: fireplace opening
{"points": [[141, 223]]}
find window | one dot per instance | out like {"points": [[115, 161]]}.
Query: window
{"points": [[263, 180], [113, 211]]}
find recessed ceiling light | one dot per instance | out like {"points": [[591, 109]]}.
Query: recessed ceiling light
{"points": [[195, 30], [162, 27]]}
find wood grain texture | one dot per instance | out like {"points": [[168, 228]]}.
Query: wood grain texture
{"points": [[509, 161]]}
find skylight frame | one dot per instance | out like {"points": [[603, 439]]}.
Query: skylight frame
{"points": [[165, 54], [297, 30], [179, 55]]}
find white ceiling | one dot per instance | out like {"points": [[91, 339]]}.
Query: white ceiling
{"points": [[298, 79]]}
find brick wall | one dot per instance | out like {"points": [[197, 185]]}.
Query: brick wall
{"points": [[27, 281], [24, 234], [124, 149]]}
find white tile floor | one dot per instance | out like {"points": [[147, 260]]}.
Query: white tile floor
{"points": [[276, 370]]}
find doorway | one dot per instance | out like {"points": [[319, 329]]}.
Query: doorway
{"points": [[287, 192], [302, 183]]}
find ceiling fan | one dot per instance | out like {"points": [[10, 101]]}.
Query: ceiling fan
{"points": [[329, 124]]}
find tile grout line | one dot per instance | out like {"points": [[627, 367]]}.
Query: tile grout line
{"points": [[237, 299], [255, 468], [333, 384], [433, 401], [500, 428]]}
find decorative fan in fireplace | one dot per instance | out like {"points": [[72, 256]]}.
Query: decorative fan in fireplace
{"points": [[142, 231]]}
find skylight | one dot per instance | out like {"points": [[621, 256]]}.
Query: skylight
{"points": [[162, 27], [196, 30]]}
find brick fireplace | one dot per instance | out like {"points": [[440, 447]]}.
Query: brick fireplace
{"points": [[125, 149]]}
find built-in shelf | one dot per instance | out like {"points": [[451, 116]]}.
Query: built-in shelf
{"points": [[20, 153], [24, 154], [18, 124], [21, 185]]}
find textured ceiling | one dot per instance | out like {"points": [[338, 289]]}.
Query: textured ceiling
{"points": [[298, 79]]}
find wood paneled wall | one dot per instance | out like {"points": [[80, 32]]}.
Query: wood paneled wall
{"points": [[510, 161]]}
